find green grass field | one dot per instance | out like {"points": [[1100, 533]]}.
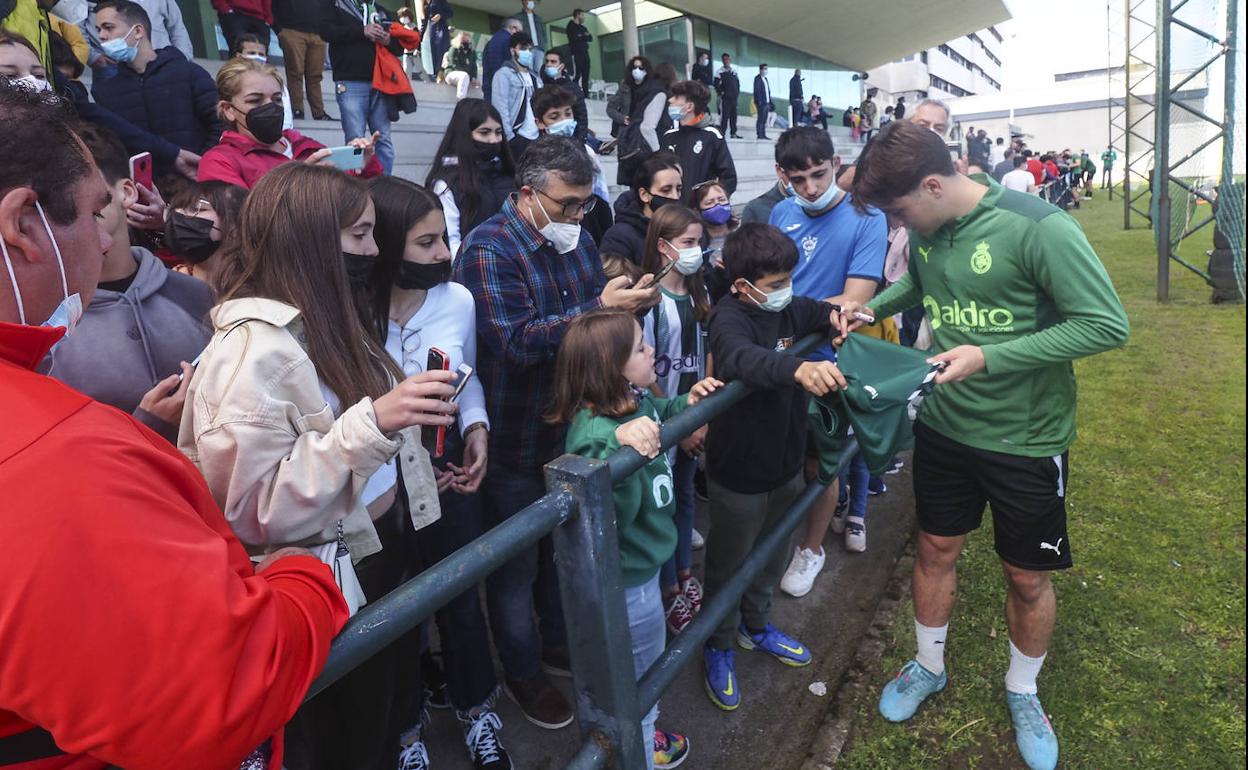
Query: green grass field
{"points": [[1146, 668]]}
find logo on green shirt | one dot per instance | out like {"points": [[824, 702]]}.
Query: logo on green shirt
{"points": [[924, 251], [981, 260], [972, 316]]}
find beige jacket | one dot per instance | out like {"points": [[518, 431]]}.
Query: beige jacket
{"points": [[282, 466]]}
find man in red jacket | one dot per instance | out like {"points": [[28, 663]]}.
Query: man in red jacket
{"points": [[133, 628], [240, 16]]}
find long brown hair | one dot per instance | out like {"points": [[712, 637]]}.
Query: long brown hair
{"points": [[288, 247], [667, 223], [589, 371]]}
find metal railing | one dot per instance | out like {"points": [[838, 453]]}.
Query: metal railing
{"points": [[578, 509]]}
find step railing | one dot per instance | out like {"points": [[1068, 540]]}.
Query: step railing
{"points": [[579, 511]]}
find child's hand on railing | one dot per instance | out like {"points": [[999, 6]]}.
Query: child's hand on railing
{"points": [[702, 389], [641, 434]]}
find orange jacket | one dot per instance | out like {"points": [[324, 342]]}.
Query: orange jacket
{"points": [[132, 625], [389, 76]]}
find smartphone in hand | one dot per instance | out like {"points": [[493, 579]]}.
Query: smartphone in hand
{"points": [[434, 440], [346, 158], [141, 169], [657, 276]]}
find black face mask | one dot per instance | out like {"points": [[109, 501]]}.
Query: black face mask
{"points": [[487, 152], [359, 269], [415, 275], [265, 122], [658, 201], [190, 237]]}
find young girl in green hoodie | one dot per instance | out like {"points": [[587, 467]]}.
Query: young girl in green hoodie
{"points": [[602, 378]]}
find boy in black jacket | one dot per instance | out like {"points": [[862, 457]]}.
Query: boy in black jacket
{"points": [[700, 146], [755, 451]]}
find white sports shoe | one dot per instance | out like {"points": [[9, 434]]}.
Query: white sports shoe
{"points": [[855, 534], [799, 578]]}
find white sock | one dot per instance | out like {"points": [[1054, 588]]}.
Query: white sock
{"points": [[931, 646], [1021, 677]]}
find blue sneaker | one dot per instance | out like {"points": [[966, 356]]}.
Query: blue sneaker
{"points": [[721, 678], [780, 645], [902, 696], [1036, 740]]}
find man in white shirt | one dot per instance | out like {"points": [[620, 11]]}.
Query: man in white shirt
{"points": [[1020, 178]]}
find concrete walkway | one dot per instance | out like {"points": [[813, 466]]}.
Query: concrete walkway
{"points": [[779, 719]]}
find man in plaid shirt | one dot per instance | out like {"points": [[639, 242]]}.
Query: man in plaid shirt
{"points": [[532, 269]]}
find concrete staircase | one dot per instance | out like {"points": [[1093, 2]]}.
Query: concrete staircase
{"points": [[417, 136]]}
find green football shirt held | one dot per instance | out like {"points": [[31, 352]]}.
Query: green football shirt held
{"points": [[1014, 293]]}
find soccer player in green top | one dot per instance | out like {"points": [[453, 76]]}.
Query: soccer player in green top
{"points": [[1014, 293]]}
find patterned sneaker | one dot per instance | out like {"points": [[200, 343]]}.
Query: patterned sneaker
{"points": [[1036, 740], [902, 696], [678, 614], [804, 567], [414, 757], [855, 535], [484, 747], [692, 589], [721, 678], [670, 749], [838, 515], [776, 643]]}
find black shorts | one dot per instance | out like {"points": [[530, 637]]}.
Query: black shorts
{"points": [[953, 481]]}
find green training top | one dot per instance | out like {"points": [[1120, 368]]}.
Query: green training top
{"points": [[1017, 277], [645, 501]]}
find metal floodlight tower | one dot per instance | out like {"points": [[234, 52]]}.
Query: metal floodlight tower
{"points": [[1167, 98], [1139, 105]]}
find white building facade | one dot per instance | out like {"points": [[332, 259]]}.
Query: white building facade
{"points": [[966, 66]]}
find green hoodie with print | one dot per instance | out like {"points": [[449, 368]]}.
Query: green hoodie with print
{"points": [[645, 501], [1017, 277]]}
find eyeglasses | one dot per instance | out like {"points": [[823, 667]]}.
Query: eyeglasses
{"points": [[409, 341], [574, 208], [707, 183]]}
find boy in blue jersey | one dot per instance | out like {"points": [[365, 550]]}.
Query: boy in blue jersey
{"points": [[840, 258]]}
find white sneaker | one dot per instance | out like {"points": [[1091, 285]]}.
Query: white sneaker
{"points": [[855, 534], [802, 571], [697, 542]]}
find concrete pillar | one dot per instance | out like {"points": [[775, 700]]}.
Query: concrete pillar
{"points": [[628, 14]]}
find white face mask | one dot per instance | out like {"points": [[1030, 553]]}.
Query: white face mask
{"points": [[776, 301], [564, 236], [688, 261], [69, 312], [31, 83], [638, 74]]}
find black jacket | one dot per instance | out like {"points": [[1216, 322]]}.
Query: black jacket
{"points": [[702, 74], [727, 83], [627, 237], [761, 92], [703, 155], [174, 99], [353, 54], [760, 443], [298, 14], [578, 40], [795, 88]]}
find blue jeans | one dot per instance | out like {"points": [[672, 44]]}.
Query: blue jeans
{"points": [[511, 589], [682, 482], [363, 111], [856, 476], [648, 632]]}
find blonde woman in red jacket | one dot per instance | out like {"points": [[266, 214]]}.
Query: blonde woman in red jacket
{"points": [[255, 144]]}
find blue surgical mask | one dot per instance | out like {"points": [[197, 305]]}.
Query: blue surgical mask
{"points": [[525, 58], [776, 301], [677, 114], [69, 312], [119, 50], [821, 203], [565, 127], [552, 73]]}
